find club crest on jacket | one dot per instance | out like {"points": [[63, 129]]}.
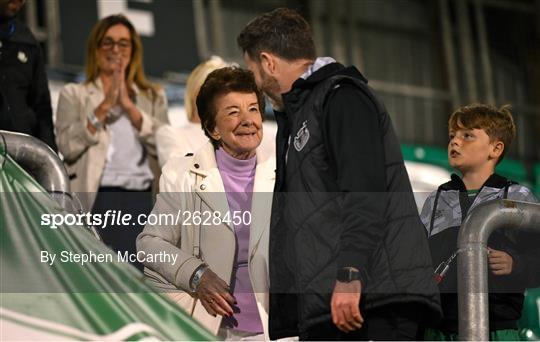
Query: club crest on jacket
{"points": [[302, 137]]}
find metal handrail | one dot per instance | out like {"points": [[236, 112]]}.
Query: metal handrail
{"points": [[38, 159], [472, 259]]}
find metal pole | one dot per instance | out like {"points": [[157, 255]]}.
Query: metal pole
{"points": [[53, 33], [318, 26], [337, 46], [38, 159], [472, 259], [484, 52], [31, 17], [218, 28], [354, 44], [201, 34], [449, 52], [467, 53]]}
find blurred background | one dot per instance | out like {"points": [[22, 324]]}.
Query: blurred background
{"points": [[423, 57]]}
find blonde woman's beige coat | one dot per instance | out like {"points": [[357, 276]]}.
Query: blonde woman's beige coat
{"points": [[84, 153]]}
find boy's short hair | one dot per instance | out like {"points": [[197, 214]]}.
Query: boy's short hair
{"points": [[282, 31], [496, 122]]}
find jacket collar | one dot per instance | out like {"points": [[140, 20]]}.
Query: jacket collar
{"points": [[211, 190], [204, 163], [327, 71], [456, 183], [316, 65], [210, 187], [296, 97], [265, 176]]}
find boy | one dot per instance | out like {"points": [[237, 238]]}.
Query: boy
{"points": [[479, 137]]}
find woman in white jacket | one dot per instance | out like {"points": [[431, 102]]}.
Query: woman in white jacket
{"points": [[221, 200]]}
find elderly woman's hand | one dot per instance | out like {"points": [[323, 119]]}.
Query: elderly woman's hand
{"points": [[214, 294]]}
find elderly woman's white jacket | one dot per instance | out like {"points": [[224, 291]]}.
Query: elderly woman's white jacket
{"points": [[193, 184]]}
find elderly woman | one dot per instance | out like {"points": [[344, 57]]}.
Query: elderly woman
{"points": [[105, 128], [190, 137], [221, 274]]}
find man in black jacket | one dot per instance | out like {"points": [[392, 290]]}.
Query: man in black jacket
{"points": [[25, 103], [348, 255]]}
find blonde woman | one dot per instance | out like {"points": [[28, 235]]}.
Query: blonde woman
{"points": [[189, 138], [105, 128]]}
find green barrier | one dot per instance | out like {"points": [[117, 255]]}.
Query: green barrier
{"points": [[529, 324], [514, 170], [536, 170], [97, 301], [426, 154]]}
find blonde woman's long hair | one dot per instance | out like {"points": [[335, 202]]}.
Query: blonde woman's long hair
{"points": [[196, 80], [134, 71]]}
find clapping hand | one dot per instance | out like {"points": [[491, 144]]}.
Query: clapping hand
{"points": [[124, 98], [119, 94], [113, 93]]}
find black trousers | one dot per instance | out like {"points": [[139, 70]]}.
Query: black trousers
{"points": [[121, 238], [391, 323]]}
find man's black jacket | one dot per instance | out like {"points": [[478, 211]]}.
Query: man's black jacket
{"points": [[25, 103], [343, 198]]}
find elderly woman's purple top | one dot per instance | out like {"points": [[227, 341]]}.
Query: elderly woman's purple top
{"points": [[238, 178]]}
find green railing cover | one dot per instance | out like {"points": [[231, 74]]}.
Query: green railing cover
{"points": [[92, 302], [537, 178], [530, 317]]}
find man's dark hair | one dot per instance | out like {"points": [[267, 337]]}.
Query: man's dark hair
{"points": [[282, 32], [221, 82]]}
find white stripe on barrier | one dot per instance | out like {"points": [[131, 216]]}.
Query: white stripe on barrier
{"points": [[7, 318]]}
